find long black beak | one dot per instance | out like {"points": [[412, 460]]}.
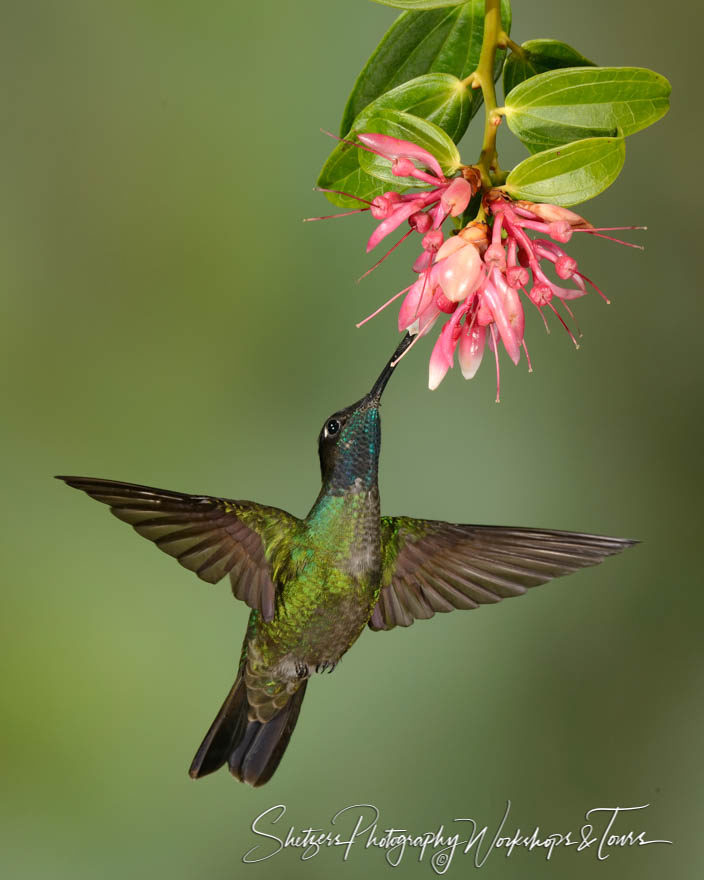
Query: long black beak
{"points": [[380, 384]]}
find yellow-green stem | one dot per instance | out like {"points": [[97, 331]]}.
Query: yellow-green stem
{"points": [[484, 77], [507, 43]]}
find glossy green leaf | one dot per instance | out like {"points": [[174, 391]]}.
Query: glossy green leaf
{"points": [[561, 106], [408, 128], [568, 175], [539, 56], [419, 4], [437, 97], [445, 40]]}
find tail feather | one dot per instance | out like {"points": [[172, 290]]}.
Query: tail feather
{"points": [[252, 749], [260, 750]]}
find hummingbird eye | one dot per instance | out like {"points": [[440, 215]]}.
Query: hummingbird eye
{"points": [[332, 427]]}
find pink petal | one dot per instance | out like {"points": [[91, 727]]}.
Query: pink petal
{"points": [[426, 320], [433, 240], [403, 212], [514, 310], [556, 214], [548, 249], [567, 292], [512, 304], [471, 351], [416, 300], [460, 273], [517, 276], [383, 205], [421, 222], [456, 197], [441, 357], [453, 243], [393, 148], [423, 261], [566, 267], [493, 299], [443, 303], [562, 292]]}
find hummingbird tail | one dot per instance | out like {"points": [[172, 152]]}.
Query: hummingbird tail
{"points": [[252, 749]]}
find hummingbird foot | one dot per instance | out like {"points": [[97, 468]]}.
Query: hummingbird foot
{"points": [[302, 670], [326, 666]]}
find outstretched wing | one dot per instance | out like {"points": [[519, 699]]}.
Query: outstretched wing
{"points": [[431, 566], [210, 536]]}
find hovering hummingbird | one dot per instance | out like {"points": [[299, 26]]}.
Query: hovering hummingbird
{"points": [[314, 584]]}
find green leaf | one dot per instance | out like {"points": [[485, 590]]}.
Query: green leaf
{"points": [[568, 175], [446, 40], [437, 97], [567, 105], [419, 4], [407, 127], [539, 56]]}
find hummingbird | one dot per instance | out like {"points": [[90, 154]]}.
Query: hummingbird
{"points": [[313, 585]]}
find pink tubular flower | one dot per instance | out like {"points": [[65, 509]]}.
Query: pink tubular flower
{"points": [[474, 277], [485, 287], [393, 148], [424, 211]]}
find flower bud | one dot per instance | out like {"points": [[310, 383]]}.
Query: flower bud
{"points": [[553, 213], [565, 267], [495, 255], [517, 276], [460, 273], [456, 197], [560, 230], [402, 167], [394, 148], [383, 205], [540, 294], [420, 221], [432, 241]]}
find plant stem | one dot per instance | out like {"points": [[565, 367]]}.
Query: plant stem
{"points": [[483, 77], [505, 42]]}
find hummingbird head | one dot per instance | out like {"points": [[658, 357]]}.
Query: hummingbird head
{"points": [[350, 439]]}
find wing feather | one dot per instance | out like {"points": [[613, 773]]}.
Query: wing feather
{"points": [[434, 566], [209, 536]]}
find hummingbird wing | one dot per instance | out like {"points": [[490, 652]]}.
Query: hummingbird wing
{"points": [[430, 566], [210, 536]]}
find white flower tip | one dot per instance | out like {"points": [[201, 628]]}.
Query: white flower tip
{"points": [[436, 374], [470, 371]]}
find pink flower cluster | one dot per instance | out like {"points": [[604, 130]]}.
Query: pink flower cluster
{"points": [[481, 279], [474, 277]]}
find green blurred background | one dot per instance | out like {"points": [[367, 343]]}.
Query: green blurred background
{"points": [[168, 319]]}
